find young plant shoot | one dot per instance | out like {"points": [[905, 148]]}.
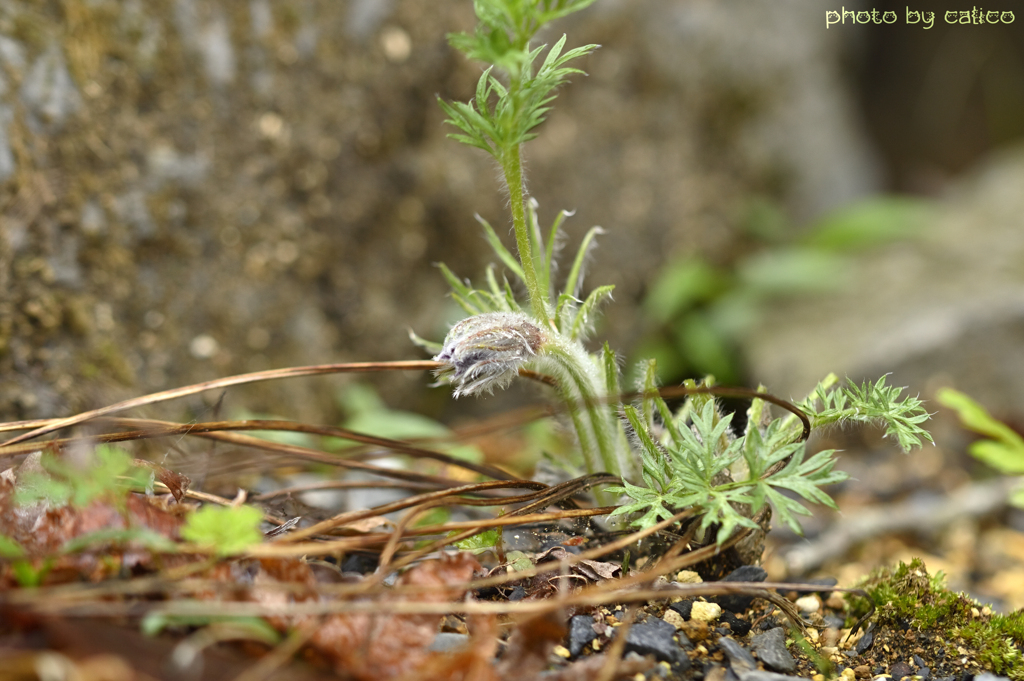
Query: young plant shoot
{"points": [[667, 461]]}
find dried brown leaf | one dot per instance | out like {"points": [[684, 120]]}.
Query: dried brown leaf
{"points": [[472, 662], [176, 483], [529, 646], [370, 646], [594, 570], [41, 530], [287, 570]]}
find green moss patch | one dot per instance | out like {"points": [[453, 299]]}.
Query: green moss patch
{"points": [[909, 600]]}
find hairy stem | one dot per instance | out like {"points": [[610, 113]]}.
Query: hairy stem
{"points": [[512, 166], [581, 390]]}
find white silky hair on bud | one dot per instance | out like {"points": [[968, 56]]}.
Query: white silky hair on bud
{"points": [[486, 351]]}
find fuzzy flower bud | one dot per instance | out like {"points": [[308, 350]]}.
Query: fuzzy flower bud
{"points": [[486, 351]]}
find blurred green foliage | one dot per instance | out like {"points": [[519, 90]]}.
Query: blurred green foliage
{"points": [[108, 475], [1001, 448], [366, 413], [225, 529], [487, 540], [697, 311]]}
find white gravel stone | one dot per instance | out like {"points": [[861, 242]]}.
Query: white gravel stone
{"points": [[809, 604]]}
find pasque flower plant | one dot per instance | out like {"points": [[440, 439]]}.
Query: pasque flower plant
{"points": [[667, 460]]}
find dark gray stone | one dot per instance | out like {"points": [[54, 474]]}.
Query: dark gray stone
{"points": [[747, 573], [744, 573], [656, 637], [771, 649], [923, 670], [865, 642], [740, 658], [581, 632], [739, 627], [683, 607]]}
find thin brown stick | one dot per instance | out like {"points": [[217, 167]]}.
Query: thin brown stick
{"points": [[351, 516], [314, 455], [150, 428], [591, 596], [342, 484], [43, 427], [725, 391], [281, 654], [65, 597], [510, 520], [220, 383], [618, 646]]}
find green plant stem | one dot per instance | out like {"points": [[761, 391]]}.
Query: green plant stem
{"points": [[792, 424], [581, 391], [512, 166]]}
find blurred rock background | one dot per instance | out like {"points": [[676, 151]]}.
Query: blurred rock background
{"points": [[195, 188]]}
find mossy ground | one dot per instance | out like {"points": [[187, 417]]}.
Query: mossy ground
{"points": [[916, 615]]}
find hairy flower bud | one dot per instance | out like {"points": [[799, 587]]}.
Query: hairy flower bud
{"points": [[486, 351]]}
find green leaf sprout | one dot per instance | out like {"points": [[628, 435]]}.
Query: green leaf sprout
{"points": [[226, 530], [1002, 447]]}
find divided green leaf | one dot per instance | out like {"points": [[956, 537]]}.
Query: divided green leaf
{"points": [[227, 530]]}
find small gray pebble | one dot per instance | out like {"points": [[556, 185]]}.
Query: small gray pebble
{"points": [[759, 675], [581, 632], [446, 642], [739, 627], [835, 621], [744, 573], [864, 642], [683, 607], [656, 637], [771, 649], [740, 659]]}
